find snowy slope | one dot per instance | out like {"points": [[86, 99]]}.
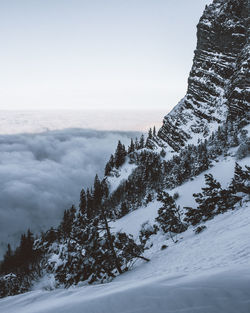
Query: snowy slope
{"points": [[205, 273], [222, 170], [120, 175], [212, 292]]}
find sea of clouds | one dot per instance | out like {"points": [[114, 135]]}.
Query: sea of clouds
{"points": [[41, 175]]}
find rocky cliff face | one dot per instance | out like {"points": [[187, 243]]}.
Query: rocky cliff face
{"points": [[218, 84]]}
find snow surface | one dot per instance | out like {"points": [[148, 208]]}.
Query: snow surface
{"points": [[222, 170], [204, 273], [121, 175]]}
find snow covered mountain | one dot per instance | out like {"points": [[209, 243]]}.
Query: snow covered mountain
{"points": [[161, 237], [201, 273], [218, 84]]}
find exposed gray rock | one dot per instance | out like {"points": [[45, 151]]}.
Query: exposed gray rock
{"points": [[218, 84]]}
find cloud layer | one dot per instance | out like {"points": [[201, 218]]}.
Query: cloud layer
{"points": [[42, 175]]}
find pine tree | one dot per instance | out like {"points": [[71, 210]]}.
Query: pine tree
{"points": [[240, 182], [97, 193], [169, 215], [150, 134], [90, 204], [141, 143], [193, 216], [227, 200], [209, 198], [120, 154], [154, 131], [7, 263], [131, 147], [127, 249], [109, 166], [137, 145], [203, 158], [67, 222], [83, 201]]}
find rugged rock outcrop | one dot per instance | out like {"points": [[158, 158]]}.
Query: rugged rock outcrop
{"points": [[218, 84]]}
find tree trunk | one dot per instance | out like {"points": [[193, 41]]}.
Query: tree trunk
{"points": [[111, 243], [142, 257]]}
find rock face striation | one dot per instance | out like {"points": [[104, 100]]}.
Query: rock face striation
{"points": [[219, 83]]}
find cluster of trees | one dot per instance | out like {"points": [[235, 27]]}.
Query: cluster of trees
{"points": [[82, 247], [154, 172], [85, 245], [118, 159], [139, 186], [213, 200], [22, 263]]}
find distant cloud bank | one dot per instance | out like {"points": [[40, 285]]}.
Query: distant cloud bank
{"points": [[16, 122], [42, 174]]}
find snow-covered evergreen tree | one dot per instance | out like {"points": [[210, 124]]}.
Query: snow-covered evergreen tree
{"points": [[169, 218]]}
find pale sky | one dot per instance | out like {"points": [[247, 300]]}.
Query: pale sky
{"points": [[96, 54]]}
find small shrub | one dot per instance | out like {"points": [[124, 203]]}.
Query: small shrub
{"points": [[200, 229], [146, 232], [176, 196], [243, 150]]}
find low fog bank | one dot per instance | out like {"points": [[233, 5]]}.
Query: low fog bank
{"points": [[42, 175]]}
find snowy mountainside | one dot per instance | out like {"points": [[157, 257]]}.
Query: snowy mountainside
{"points": [[118, 176], [221, 169], [198, 245], [218, 84], [206, 272]]}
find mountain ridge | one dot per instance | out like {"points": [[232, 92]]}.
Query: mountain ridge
{"points": [[218, 83]]}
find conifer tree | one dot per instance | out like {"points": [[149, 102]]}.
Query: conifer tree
{"points": [[120, 154], [67, 222], [83, 201], [141, 143], [89, 205], [209, 198], [154, 131], [193, 216], [150, 134], [131, 147], [97, 193], [137, 145], [109, 166], [241, 179], [169, 215], [227, 200], [6, 265]]}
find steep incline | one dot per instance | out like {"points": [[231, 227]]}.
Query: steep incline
{"points": [[218, 84], [204, 273]]}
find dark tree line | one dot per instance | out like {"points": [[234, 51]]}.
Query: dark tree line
{"points": [[154, 173], [19, 267], [84, 247]]}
